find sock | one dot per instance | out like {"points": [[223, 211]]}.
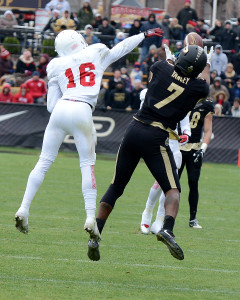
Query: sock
{"points": [[89, 190], [169, 223], [192, 215], [35, 180], [100, 224], [153, 196]]}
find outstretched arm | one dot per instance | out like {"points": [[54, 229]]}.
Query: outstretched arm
{"points": [[128, 45]]}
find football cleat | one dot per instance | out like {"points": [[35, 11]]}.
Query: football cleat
{"points": [[146, 221], [93, 250], [157, 225], [167, 237], [91, 227], [194, 224], [21, 222]]}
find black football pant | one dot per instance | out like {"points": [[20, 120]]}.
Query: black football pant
{"points": [[193, 173], [151, 144]]}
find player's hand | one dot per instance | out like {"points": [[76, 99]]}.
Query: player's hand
{"points": [[198, 156], [153, 32], [209, 55], [169, 55], [184, 138]]}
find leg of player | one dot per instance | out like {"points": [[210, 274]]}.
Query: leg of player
{"points": [[193, 173], [52, 140], [158, 223], [163, 168], [153, 196]]}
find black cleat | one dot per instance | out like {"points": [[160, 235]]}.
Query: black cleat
{"points": [[93, 250], [167, 237]]}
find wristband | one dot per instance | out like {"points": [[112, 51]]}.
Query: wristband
{"points": [[204, 147]]}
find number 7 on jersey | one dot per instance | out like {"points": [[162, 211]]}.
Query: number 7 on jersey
{"points": [[178, 91]]}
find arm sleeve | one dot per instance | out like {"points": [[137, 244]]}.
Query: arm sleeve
{"points": [[54, 94], [122, 49], [185, 125]]}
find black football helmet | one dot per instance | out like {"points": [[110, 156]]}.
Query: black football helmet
{"points": [[191, 61]]}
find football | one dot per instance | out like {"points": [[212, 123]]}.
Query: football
{"points": [[193, 39]]}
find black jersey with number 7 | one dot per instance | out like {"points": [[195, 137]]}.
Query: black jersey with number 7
{"points": [[170, 95]]}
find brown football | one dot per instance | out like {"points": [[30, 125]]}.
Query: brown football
{"points": [[193, 39]]}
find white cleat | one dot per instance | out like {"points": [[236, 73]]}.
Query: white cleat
{"points": [[157, 225], [194, 224], [91, 227], [146, 221], [21, 221]]}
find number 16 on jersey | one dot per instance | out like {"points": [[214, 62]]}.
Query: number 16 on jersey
{"points": [[87, 78]]}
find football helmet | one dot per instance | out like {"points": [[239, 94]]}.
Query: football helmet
{"points": [[191, 61], [69, 42]]}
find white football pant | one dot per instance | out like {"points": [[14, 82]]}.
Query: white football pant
{"points": [[68, 118]]}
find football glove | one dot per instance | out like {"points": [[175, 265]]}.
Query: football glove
{"points": [[184, 138], [169, 55], [153, 32], [198, 156], [209, 55]]}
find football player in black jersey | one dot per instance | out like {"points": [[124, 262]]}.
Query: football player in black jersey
{"points": [[192, 153], [173, 91]]}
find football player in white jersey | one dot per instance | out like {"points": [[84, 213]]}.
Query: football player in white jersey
{"points": [[74, 83]]}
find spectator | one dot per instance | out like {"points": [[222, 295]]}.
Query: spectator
{"points": [[213, 75], [107, 33], [61, 5], [98, 21], [85, 14], [37, 88], [191, 27], [25, 63], [20, 18], [155, 40], [52, 21], [176, 30], [229, 76], [135, 95], [5, 95], [119, 98], [217, 87], [8, 20], [23, 96], [202, 28], [219, 60], [65, 22], [135, 28], [235, 91], [221, 98], [217, 31], [117, 76], [236, 108], [165, 26], [43, 62], [89, 36], [186, 14], [151, 58], [136, 73], [161, 51], [126, 79], [218, 110], [179, 47], [228, 40], [6, 64], [234, 58], [237, 29]]}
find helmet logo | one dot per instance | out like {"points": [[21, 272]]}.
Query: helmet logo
{"points": [[74, 46], [185, 50], [190, 69]]}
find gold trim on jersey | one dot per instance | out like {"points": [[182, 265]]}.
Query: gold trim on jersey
{"points": [[172, 134], [191, 146], [114, 174], [168, 167]]}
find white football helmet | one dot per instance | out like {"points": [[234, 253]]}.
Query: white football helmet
{"points": [[69, 42]]}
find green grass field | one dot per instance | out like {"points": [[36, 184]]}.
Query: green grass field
{"points": [[51, 261]]}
